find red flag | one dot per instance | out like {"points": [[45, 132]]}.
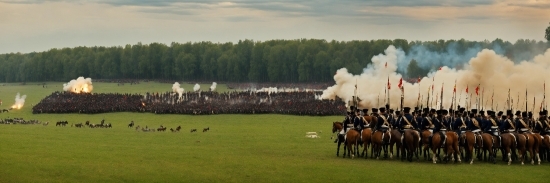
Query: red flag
{"points": [[477, 90], [466, 89], [389, 86], [400, 83], [454, 90], [432, 87], [386, 65], [440, 68], [418, 80]]}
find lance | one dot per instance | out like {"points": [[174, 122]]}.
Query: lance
{"points": [[441, 105], [378, 104], [534, 101], [509, 100], [422, 102], [526, 99], [470, 105], [436, 98], [492, 100], [481, 101], [517, 104], [428, 99], [460, 98], [355, 94], [385, 94], [402, 97], [544, 99], [431, 102]]}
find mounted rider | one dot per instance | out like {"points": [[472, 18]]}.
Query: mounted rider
{"points": [[540, 124], [460, 124], [427, 123], [474, 122], [440, 125], [347, 123], [522, 123], [407, 121], [508, 125], [382, 123], [358, 121], [492, 126]]}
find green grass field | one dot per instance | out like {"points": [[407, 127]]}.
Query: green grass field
{"points": [[238, 148]]}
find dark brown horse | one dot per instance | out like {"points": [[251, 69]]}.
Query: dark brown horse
{"points": [[337, 127], [450, 146], [545, 147], [508, 145], [411, 139], [468, 141]]}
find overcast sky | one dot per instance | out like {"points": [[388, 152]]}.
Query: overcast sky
{"points": [[39, 25]]}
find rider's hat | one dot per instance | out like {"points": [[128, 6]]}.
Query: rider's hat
{"points": [[374, 110], [432, 110], [530, 114], [406, 109], [391, 111], [397, 112], [382, 109], [509, 113], [352, 108], [444, 112], [474, 111], [365, 111], [524, 114], [518, 113], [481, 112], [541, 113], [500, 113]]}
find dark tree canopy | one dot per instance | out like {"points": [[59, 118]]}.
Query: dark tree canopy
{"points": [[301, 60]]}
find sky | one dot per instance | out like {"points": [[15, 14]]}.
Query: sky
{"points": [[39, 25]]}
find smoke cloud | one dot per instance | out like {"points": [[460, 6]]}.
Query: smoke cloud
{"points": [[213, 87], [197, 87], [19, 101], [80, 85], [177, 89], [494, 74]]}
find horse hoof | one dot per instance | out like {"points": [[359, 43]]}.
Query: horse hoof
{"points": [[521, 163], [471, 162]]}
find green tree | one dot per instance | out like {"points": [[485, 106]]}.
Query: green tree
{"points": [[547, 35]]}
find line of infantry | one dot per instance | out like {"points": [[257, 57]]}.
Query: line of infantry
{"points": [[441, 121]]}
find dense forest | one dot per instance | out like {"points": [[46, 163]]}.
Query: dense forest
{"points": [[303, 60]]}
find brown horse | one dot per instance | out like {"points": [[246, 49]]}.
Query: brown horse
{"points": [[487, 140], [545, 147], [468, 141], [366, 137], [380, 141], [395, 140], [508, 145], [409, 146], [352, 143], [450, 146], [521, 146], [425, 148], [536, 146]]}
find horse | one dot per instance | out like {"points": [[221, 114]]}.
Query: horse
{"points": [[131, 124], [410, 140], [161, 129], [5, 110], [536, 146], [521, 146], [366, 138], [337, 127], [172, 130], [395, 140], [425, 148], [206, 129], [352, 143], [545, 147], [178, 128], [450, 148], [380, 141], [531, 144], [468, 141], [508, 145], [487, 140], [193, 130]]}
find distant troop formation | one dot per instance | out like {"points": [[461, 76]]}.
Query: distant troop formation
{"points": [[457, 132], [196, 103]]}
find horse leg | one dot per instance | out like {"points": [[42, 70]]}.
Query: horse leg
{"points": [[338, 149]]}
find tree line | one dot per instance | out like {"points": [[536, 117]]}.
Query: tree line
{"points": [[301, 60]]}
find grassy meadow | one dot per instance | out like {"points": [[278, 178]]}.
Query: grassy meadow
{"points": [[238, 148]]}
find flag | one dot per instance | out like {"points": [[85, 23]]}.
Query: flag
{"points": [[400, 83], [432, 87], [454, 90], [418, 80], [440, 68], [466, 89], [386, 65], [477, 90], [389, 86]]}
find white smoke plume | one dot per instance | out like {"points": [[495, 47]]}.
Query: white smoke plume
{"points": [[213, 87], [493, 73], [177, 89], [79, 85], [197, 87], [19, 101]]}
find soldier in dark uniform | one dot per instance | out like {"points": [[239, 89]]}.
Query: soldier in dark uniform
{"points": [[522, 123], [493, 125], [395, 120], [365, 114], [358, 121], [407, 120], [474, 123], [508, 125], [460, 123], [440, 125], [538, 126], [348, 122], [382, 123]]}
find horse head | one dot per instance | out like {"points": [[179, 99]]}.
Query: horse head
{"points": [[336, 126]]}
